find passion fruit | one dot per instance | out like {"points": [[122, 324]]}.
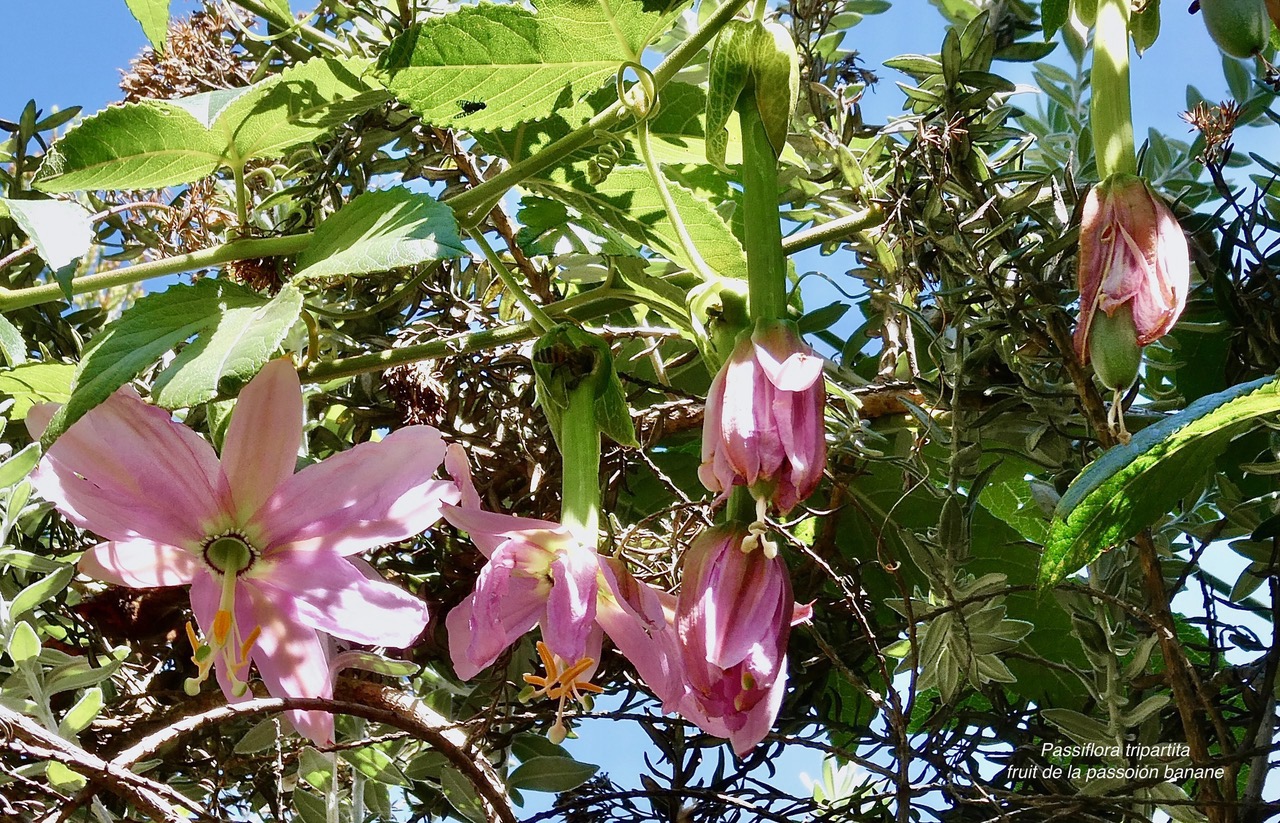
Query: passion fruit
{"points": [[1114, 349], [1241, 28]]}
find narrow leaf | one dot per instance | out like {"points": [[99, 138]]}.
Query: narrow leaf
{"points": [[12, 346], [551, 774], [41, 590]]}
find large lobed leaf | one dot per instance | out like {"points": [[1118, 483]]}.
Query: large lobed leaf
{"points": [[1131, 486], [494, 66]]}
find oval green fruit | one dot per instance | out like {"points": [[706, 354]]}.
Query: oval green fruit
{"points": [[1114, 349], [1241, 28]]}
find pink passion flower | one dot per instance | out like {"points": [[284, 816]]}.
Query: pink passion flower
{"points": [[764, 420], [265, 551], [1134, 264], [733, 616]]}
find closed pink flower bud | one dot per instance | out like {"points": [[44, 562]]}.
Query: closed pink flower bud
{"points": [[1134, 268], [764, 419], [733, 619]]}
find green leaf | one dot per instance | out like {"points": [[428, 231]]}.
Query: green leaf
{"points": [[1130, 486], [79, 716], [262, 736], [60, 229], [315, 768], [134, 146], [629, 201], [462, 795], [63, 778], [1145, 27], [12, 346], [33, 383], [310, 807], [24, 644], [1053, 16], [776, 69], [19, 465], [154, 17], [1008, 496], [382, 230], [297, 106], [376, 764], [492, 67], [227, 355], [41, 590], [730, 69], [551, 774], [148, 329], [80, 673]]}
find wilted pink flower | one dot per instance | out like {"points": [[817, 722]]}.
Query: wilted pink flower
{"points": [[540, 574], [265, 551], [1133, 257], [764, 420], [734, 616]]}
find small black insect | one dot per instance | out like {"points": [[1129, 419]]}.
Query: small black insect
{"points": [[470, 107]]}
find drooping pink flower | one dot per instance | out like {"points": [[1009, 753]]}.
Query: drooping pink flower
{"points": [[763, 427], [1133, 258], [734, 615], [540, 574], [265, 551]]}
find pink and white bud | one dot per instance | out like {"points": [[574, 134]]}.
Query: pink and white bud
{"points": [[733, 618], [764, 419], [1134, 273]]}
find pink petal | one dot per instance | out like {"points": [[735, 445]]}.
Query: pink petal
{"points": [[140, 564], [126, 470], [458, 467], [789, 363], [332, 595], [292, 658], [489, 530], [571, 606], [759, 719], [507, 603], [373, 494], [261, 447]]}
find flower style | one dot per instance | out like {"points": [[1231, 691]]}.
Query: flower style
{"points": [[265, 551], [539, 574], [764, 419], [1134, 264], [734, 616]]}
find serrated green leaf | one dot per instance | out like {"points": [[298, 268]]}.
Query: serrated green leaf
{"points": [[629, 201], [131, 146], [33, 383], [19, 465], [730, 69], [154, 17], [1126, 489], [382, 230], [1008, 496], [551, 774], [262, 736], [60, 229], [152, 326], [227, 355], [79, 716], [12, 346], [297, 106], [24, 644], [41, 590]]}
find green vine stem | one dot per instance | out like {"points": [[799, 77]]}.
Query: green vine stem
{"points": [[526, 301], [11, 299], [1111, 113], [580, 472], [762, 231]]}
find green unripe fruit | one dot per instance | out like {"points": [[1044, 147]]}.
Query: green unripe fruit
{"points": [[1241, 28], [1114, 349]]}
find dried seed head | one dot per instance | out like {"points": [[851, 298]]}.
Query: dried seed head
{"points": [[1217, 124], [200, 55]]}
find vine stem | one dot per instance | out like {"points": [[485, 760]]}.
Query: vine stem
{"points": [[664, 192], [762, 231], [247, 249], [580, 472], [536, 312]]}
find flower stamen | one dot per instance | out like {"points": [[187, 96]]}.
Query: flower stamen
{"points": [[561, 686], [229, 555]]}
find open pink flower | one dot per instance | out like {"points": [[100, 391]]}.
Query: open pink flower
{"points": [[1133, 258], [764, 420], [264, 550], [734, 616], [540, 575]]}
